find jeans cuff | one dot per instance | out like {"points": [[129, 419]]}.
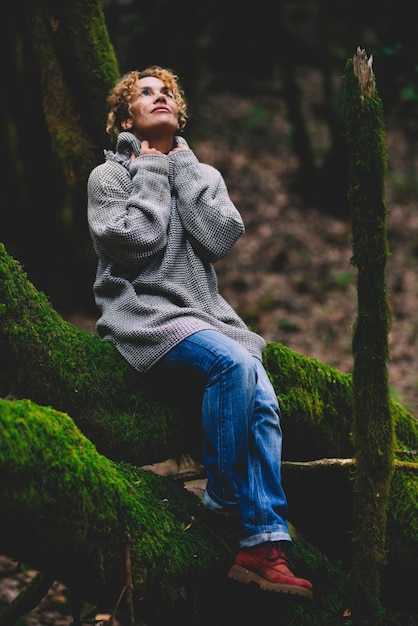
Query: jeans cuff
{"points": [[228, 510], [280, 534]]}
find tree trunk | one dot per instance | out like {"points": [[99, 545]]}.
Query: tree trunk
{"points": [[373, 429]]}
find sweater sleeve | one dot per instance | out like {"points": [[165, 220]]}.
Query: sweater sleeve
{"points": [[210, 218], [128, 217]]}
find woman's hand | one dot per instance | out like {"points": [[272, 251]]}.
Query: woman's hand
{"points": [[145, 149]]}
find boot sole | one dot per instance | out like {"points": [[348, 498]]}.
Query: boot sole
{"points": [[243, 575]]}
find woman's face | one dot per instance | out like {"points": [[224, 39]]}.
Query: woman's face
{"points": [[153, 109]]}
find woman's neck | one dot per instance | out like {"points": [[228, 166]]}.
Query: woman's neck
{"points": [[162, 143]]}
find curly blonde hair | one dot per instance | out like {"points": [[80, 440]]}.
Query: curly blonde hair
{"points": [[121, 96]]}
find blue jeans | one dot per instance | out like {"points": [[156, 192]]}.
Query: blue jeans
{"points": [[242, 438]]}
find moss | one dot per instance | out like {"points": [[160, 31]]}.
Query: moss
{"points": [[88, 59], [56, 486], [77, 372], [314, 393], [403, 518]]}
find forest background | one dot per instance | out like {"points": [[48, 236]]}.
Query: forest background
{"points": [[264, 89]]}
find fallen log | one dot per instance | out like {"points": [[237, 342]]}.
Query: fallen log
{"points": [[73, 514], [55, 364]]}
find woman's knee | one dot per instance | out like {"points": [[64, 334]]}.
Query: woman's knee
{"points": [[239, 361]]}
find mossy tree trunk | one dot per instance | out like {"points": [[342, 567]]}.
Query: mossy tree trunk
{"points": [[76, 66], [77, 516], [373, 428], [59, 66]]}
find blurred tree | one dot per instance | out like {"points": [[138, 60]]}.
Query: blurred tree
{"points": [[58, 65]]}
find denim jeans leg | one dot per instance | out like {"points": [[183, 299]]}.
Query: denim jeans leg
{"points": [[264, 506], [242, 438]]}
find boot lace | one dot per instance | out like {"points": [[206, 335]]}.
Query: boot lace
{"points": [[279, 550]]}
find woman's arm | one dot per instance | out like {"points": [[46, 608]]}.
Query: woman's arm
{"points": [[210, 218], [128, 217]]}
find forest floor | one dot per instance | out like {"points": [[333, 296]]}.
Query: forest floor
{"points": [[290, 276]]}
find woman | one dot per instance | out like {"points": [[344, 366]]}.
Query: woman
{"points": [[159, 219]]}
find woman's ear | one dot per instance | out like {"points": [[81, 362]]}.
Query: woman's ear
{"points": [[127, 124]]}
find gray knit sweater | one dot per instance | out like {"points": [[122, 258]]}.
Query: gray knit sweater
{"points": [[158, 224]]}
